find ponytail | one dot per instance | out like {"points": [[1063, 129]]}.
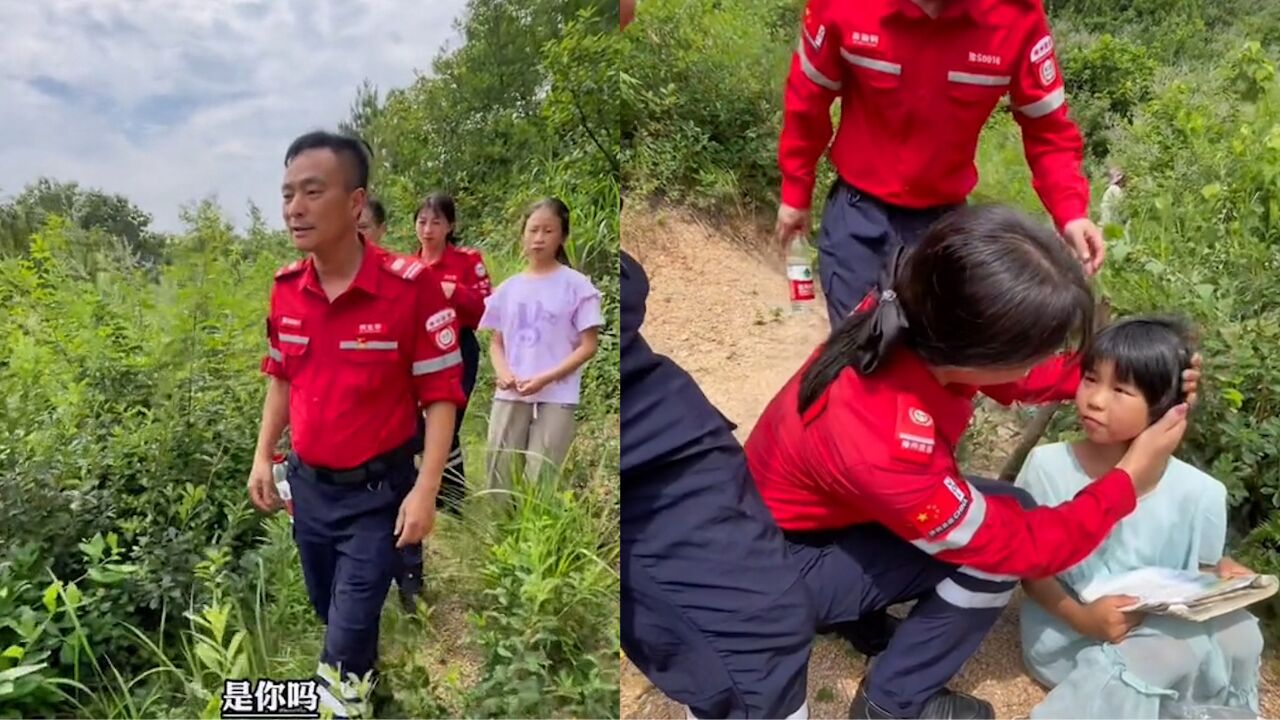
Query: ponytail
{"points": [[862, 341]]}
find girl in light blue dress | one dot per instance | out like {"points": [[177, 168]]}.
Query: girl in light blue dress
{"points": [[1099, 661]]}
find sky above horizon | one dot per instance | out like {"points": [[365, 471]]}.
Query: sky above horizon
{"points": [[169, 102]]}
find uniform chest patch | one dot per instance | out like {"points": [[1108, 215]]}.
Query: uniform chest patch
{"points": [[914, 433]]}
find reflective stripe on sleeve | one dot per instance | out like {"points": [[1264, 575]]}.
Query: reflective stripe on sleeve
{"points": [[813, 73], [1044, 105], [444, 362]]}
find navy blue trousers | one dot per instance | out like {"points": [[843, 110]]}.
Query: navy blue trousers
{"points": [[346, 542], [866, 568], [713, 608], [856, 239]]}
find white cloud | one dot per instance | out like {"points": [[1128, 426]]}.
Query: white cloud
{"points": [[171, 101]]}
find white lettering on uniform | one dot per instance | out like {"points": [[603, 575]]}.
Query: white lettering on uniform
{"points": [[1041, 49], [440, 319], [867, 39]]}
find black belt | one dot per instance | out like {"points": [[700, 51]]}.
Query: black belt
{"points": [[372, 470]]}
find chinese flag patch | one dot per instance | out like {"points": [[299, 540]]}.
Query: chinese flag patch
{"points": [[941, 510]]}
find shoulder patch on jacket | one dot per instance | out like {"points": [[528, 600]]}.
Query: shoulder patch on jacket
{"points": [[292, 268], [402, 266], [914, 434]]}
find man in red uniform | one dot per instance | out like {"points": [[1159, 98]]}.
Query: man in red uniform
{"points": [[917, 80], [357, 339]]}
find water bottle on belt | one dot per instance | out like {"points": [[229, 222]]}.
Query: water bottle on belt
{"points": [[280, 473], [799, 275]]}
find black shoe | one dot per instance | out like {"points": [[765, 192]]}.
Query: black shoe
{"points": [[411, 589], [869, 634], [946, 704]]}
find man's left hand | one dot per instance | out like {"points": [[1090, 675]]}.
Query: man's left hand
{"points": [[417, 517], [1085, 239]]}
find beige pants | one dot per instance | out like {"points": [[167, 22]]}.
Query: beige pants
{"points": [[535, 433]]}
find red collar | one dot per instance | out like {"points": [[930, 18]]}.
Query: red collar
{"points": [[366, 278]]}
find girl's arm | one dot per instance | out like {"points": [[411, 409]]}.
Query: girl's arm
{"points": [[1101, 619], [498, 357], [584, 352]]}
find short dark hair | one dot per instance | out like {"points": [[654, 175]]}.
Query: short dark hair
{"points": [[1149, 352], [557, 206], [442, 205], [350, 151], [986, 287], [379, 212]]}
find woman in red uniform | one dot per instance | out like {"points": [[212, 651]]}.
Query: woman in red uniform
{"points": [[855, 455], [465, 282]]}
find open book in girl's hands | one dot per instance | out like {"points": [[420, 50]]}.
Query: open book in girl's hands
{"points": [[1186, 594]]}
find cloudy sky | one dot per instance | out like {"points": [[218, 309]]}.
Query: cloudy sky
{"points": [[171, 101]]}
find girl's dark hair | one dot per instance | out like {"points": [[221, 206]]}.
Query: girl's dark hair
{"points": [[1148, 352], [557, 206], [986, 287], [441, 204]]}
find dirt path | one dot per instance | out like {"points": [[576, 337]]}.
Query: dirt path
{"points": [[719, 310]]}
